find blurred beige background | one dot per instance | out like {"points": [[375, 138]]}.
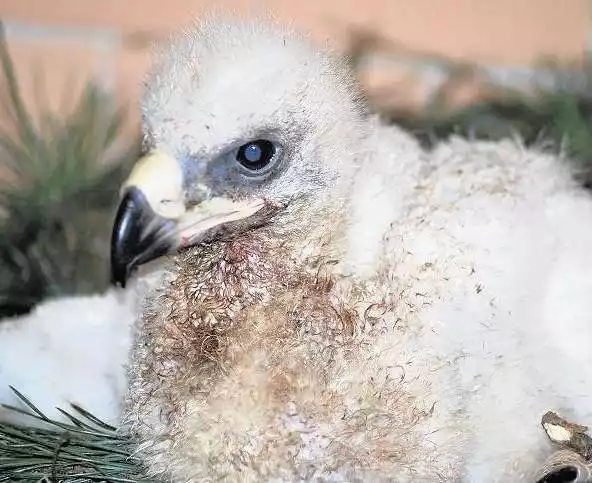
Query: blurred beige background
{"points": [[66, 42]]}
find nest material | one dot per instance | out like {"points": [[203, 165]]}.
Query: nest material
{"points": [[85, 450], [573, 462]]}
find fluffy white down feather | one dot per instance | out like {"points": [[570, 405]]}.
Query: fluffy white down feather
{"points": [[70, 350], [489, 247], [496, 239]]}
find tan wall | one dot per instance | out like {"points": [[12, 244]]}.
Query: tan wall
{"points": [[69, 41]]}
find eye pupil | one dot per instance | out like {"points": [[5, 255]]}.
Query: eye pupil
{"points": [[253, 153], [256, 155]]}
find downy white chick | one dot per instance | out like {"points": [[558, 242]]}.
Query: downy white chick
{"points": [[341, 304]]}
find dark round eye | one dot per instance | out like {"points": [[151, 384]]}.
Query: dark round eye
{"points": [[256, 155]]}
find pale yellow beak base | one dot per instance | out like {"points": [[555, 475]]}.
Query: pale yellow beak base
{"points": [[152, 219]]}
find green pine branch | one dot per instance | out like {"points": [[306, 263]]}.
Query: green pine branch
{"points": [[85, 449], [57, 194]]}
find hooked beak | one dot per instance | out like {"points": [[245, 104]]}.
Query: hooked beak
{"points": [[152, 219]]}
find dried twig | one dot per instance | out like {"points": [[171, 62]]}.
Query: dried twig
{"points": [[572, 463], [567, 434]]}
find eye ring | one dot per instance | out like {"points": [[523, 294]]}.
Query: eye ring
{"points": [[256, 155]]}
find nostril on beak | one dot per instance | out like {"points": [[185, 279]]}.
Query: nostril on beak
{"points": [[565, 466]]}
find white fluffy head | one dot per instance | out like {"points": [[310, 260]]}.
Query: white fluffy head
{"points": [[225, 84]]}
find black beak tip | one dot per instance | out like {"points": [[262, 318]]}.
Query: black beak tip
{"points": [[122, 237], [139, 236], [119, 276]]}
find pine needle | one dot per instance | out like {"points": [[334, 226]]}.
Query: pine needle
{"points": [[60, 174], [85, 450]]}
